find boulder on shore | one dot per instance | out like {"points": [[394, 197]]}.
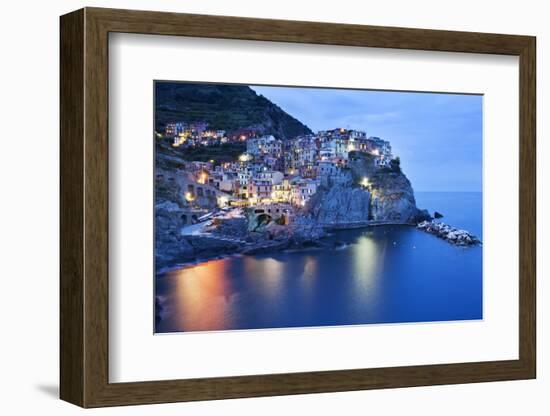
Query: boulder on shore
{"points": [[446, 232]]}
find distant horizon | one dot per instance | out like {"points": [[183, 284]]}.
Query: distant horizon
{"points": [[449, 124]]}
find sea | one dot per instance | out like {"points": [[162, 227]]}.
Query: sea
{"points": [[378, 275]]}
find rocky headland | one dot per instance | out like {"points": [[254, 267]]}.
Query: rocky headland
{"points": [[198, 219], [369, 196]]}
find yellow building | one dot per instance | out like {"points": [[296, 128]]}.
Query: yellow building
{"points": [[282, 192]]}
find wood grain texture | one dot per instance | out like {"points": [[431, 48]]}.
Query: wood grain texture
{"points": [[71, 100], [96, 207], [226, 27], [84, 205], [527, 207]]}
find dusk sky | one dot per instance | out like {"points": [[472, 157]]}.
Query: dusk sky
{"points": [[437, 136]]}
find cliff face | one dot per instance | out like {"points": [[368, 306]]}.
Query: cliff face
{"points": [[340, 205], [388, 197], [169, 243], [393, 199]]}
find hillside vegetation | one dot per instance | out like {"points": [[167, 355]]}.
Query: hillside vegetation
{"points": [[225, 107]]}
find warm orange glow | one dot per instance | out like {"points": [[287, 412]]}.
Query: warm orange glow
{"points": [[202, 296], [180, 139], [203, 178]]}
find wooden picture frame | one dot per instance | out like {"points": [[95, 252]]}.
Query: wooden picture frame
{"points": [[84, 207]]}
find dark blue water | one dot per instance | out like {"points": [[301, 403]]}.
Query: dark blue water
{"points": [[459, 209], [386, 274]]}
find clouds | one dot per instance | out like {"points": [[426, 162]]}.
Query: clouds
{"points": [[438, 136]]}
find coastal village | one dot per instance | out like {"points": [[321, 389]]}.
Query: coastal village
{"points": [[246, 196], [237, 175], [272, 175]]}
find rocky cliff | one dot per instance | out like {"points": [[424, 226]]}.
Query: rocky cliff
{"points": [[375, 195], [170, 245], [393, 196], [393, 199], [340, 205]]}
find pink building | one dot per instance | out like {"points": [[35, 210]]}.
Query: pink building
{"points": [[260, 189]]}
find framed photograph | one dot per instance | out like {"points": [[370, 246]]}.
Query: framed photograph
{"points": [[255, 207]]}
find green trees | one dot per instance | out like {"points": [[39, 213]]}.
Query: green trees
{"points": [[223, 107]]}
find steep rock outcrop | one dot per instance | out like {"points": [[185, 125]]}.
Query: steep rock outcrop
{"points": [[376, 195], [393, 198], [339, 205]]}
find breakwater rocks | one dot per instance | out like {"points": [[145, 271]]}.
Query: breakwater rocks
{"points": [[446, 232]]}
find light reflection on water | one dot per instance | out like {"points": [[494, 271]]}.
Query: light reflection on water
{"points": [[202, 296], [387, 274], [369, 256], [265, 274]]}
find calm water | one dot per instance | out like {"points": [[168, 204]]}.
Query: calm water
{"points": [[386, 274]]}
